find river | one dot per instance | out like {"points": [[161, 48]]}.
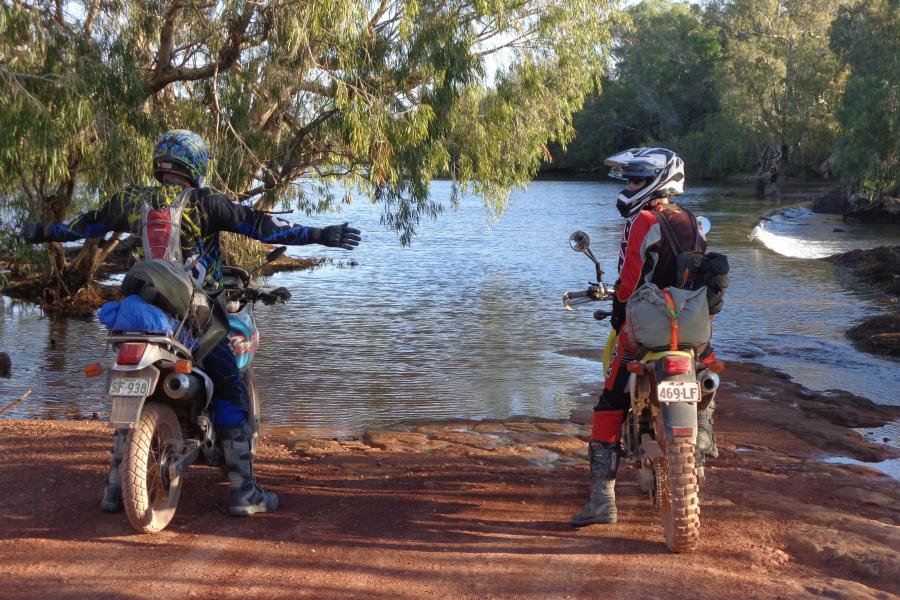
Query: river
{"points": [[468, 320]]}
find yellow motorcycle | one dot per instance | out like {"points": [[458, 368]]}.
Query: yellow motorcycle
{"points": [[659, 433]]}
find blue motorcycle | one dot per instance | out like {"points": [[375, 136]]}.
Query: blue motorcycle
{"points": [[160, 404]]}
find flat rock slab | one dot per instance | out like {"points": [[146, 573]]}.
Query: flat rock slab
{"points": [[393, 440]]}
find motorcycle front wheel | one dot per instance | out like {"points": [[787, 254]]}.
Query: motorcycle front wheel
{"points": [[150, 498], [253, 393], [679, 497]]}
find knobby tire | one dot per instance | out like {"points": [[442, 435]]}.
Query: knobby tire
{"points": [[149, 504], [680, 498]]}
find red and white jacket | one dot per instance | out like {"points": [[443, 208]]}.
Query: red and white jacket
{"points": [[644, 256]]}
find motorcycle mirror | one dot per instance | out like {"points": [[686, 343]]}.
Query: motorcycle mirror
{"points": [[276, 253], [580, 241], [704, 225]]}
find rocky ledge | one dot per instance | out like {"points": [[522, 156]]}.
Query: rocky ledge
{"points": [[880, 268]]}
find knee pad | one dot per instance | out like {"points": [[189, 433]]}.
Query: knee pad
{"points": [[607, 426]]}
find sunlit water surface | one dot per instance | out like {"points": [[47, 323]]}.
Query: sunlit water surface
{"points": [[468, 320]]}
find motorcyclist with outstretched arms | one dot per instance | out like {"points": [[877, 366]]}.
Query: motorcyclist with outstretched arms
{"points": [[180, 220], [653, 176]]}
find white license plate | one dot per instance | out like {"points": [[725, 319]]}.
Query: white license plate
{"points": [[678, 391], [129, 386]]}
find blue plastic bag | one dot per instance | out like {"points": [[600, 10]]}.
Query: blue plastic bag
{"points": [[134, 314]]}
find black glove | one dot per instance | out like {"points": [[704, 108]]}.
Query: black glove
{"points": [[618, 315], [337, 236], [34, 232]]}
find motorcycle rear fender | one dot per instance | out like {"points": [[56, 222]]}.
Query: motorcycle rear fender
{"points": [[681, 416]]}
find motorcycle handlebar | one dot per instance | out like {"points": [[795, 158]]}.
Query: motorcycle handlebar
{"points": [[595, 292]]}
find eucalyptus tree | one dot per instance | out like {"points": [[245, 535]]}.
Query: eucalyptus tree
{"points": [[384, 95], [867, 38], [780, 83], [661, 89]]}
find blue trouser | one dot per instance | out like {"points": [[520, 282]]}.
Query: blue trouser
{"points": [[230, 403]]}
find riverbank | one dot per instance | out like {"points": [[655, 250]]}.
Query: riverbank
{"points": [[472, 509], [878, 268], [31, 287]]}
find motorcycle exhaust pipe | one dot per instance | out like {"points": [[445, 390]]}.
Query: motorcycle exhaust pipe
{"points": [[180, 386], [709, 382]]}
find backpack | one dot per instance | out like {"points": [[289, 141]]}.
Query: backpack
{"points": [[697, 269], [161, 229]]}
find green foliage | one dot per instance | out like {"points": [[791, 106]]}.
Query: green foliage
{"points": [[729, 85], [780, 83], [867, 38], [661, 90], [383, 95]]}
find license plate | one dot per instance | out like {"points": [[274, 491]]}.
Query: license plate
{"points": [[129, 386], [678, 391]]}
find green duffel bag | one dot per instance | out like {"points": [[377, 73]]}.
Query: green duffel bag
{"points": [[168, 286], [163, 284], [667, 319]]}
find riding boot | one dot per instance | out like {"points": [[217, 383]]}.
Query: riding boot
{"points": [[706, 437], [601, 506], [245, 495], [112, 493]]}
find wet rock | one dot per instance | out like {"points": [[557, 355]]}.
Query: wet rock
{"points": [[879, 267], [5, 365], [394, 440], [878, 335], [567, 446], [449, 425], [314, 447], [489, 428], [557, 427], [465, 438], [520, 426]]}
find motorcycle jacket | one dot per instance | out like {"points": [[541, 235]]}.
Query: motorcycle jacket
{"points": [[180, 225], [644, 255]]}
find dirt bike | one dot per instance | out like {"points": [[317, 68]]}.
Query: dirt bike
{"points": [[160, 404], [659, 433]]}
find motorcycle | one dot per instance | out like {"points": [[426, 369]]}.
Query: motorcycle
{"points": [[160, 404], [659, 433]]}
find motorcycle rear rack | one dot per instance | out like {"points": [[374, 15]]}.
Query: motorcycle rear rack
{"points": [[171, 344]]}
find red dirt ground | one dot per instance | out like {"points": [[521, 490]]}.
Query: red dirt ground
{"points": [[440, 515]]}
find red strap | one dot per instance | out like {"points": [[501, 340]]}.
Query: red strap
{"points": [[674, 315]]}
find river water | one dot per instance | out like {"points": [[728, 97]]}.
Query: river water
{"points": [[468, 320]]}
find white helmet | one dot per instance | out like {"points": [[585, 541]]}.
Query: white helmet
{"points": [[661, 167]]}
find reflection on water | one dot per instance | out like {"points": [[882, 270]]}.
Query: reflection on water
{"points": [[468, 321]]}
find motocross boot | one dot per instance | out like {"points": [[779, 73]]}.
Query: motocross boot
{"points": [[245, 495], [112, 494], [706, 437], [601, 506]]}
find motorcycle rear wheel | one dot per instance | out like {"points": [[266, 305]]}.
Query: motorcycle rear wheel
{"points": [[149, 497], [679, 497]]}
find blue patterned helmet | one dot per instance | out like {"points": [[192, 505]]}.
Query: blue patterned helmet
{"points": [[181, 152]]}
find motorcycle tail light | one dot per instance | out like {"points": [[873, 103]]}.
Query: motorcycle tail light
{"points": [[677, 364], [130, 353]]}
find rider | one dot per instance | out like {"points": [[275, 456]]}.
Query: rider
{"points": [[654, 175], [180, 162]]}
